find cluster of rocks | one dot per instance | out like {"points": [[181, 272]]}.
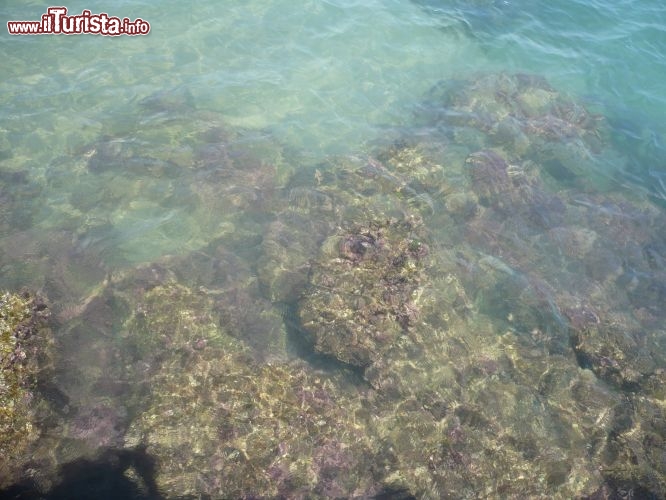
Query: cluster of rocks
{"points": [[468, 311]]}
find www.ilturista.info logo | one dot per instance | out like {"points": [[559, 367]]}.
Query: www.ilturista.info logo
{"points": [[57, 22]]}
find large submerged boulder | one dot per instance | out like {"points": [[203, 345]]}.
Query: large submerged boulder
{"points": [[361, 296], [220, 423]]}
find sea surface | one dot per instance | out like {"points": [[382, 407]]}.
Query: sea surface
{"points": [[294, 85], [327, 77]]}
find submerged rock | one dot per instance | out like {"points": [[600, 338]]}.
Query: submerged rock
{"points": [[490, 179], [220, 424], [169, 182], [361, 292], [226, 427], [292, 240], [25, 351], [340, 193], [527, 118]]}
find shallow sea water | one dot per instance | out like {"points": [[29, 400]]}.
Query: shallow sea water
{"points": [[138, 170]]}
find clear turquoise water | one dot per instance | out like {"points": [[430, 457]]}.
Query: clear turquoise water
{"points": [[318, 77], [328, 77]]}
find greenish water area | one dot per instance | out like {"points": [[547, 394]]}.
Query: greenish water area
{"points": [[335, 249]]}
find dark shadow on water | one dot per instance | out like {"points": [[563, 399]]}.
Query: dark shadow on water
{"points": [[99, 479], [299, 346]]}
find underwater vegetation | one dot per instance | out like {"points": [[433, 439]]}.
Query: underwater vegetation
{"points": [[25, 351], [469, 310]]}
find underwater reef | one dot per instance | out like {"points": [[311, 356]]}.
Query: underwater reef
{"points": [[25, 352], [471, 309]]}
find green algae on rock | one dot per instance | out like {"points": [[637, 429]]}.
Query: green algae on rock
{"points": [[221, 424], [228, 427], [361, 295], [527, 118], [347, 190], [25, 343]]}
